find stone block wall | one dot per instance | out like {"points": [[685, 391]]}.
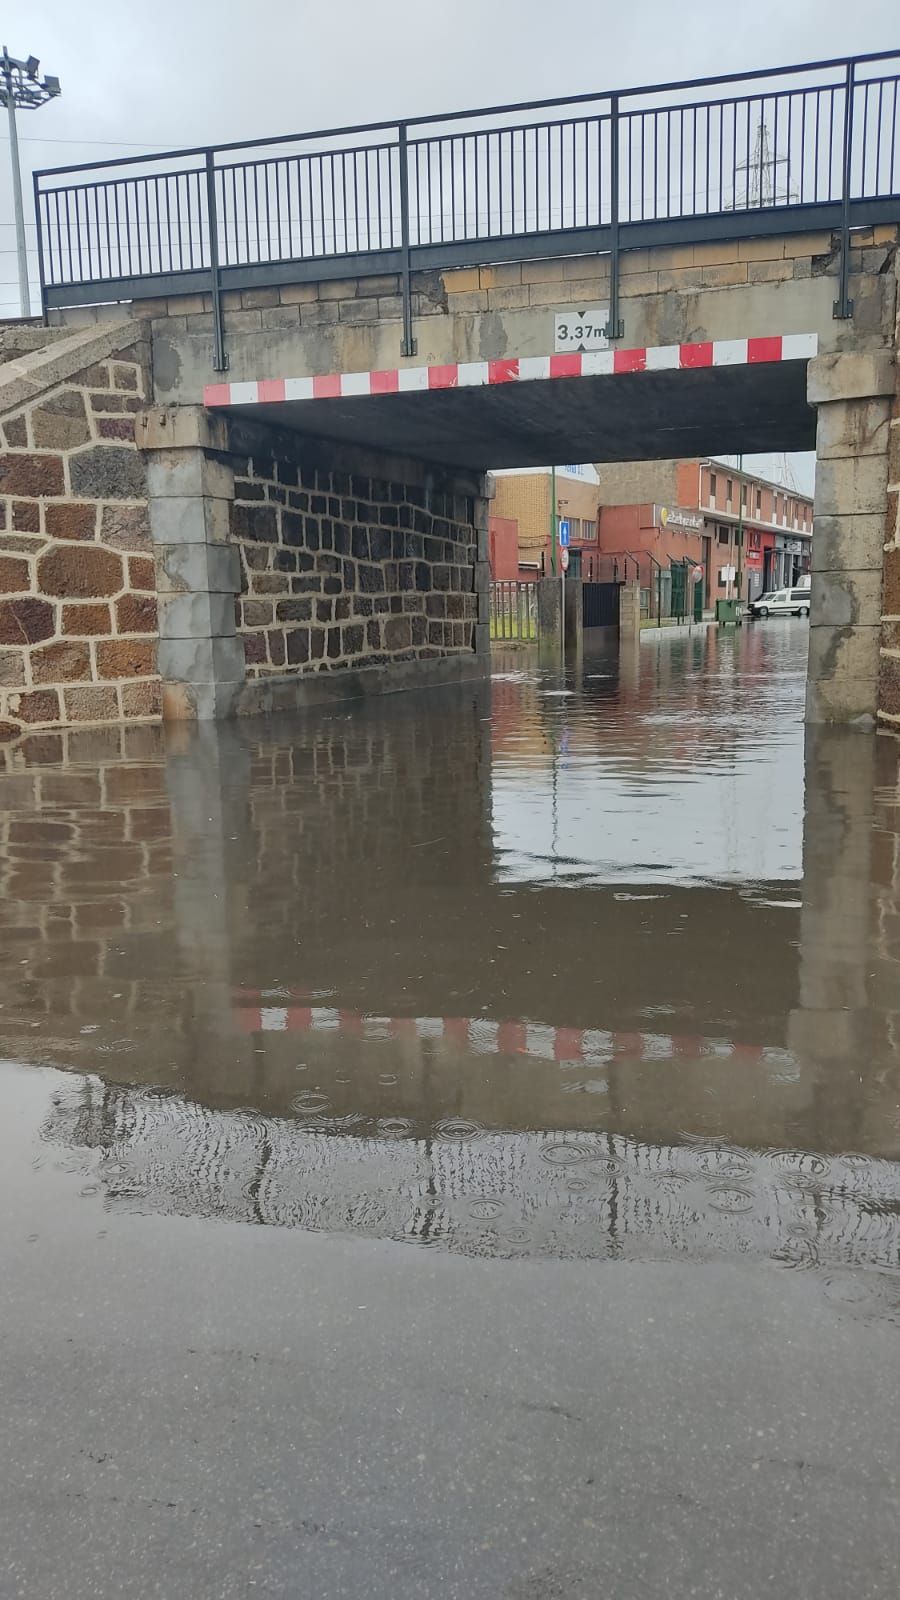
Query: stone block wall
{"points": [[341, 569], [78, 625], [889, 654]]}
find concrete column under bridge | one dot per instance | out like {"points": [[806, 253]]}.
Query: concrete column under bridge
{"points": [[854, 395]]}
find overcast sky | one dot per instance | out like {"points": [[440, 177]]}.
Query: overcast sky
{"points": [[172, 72]]}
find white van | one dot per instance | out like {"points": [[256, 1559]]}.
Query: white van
{"points": [[781, 603]]}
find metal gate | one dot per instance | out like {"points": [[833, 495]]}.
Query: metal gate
{"points": [[679, 602], [600, 605]]}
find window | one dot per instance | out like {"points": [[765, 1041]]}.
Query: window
{"points": [[723, 535], [759, 502], [729, 490], [712, 488]]}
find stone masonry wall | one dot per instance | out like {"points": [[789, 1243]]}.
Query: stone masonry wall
{"points": [[889, 663], [340, 568], [78, 623]]}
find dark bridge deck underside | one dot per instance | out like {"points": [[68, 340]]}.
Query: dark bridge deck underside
{"points": [[626, 417]]}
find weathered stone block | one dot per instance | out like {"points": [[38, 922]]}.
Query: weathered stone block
{"points": [[32, 476], [79, 571], [843, 654], [254, 299], [108, 473], [126, 376], [202, 660], [298, 294], [199, 566], [191, 519], [722, 277], [126, 658], [840, 599], [848, 543], [187, 473], [889, 685], [852, 428], [15, 432], [116, 427], [126, 527], [26, 516], [891, 597], [142, 699], [136, 614], [15, 575], [851, 485], [142, 573], [70, 521], [97, 703], [86, 620], [258, 522], [60, 422], [850, 375], [12, 669], [26, 621], [397, 633], [42, 705], [66, 662], [196, 615]]}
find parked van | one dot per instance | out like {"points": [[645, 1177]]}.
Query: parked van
{"points": [[781, 603]]}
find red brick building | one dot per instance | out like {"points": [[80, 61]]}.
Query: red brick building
{"points": [[747, 533], [641, 516]]}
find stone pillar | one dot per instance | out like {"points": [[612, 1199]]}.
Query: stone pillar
{"points": [[573, 604], [852, 393], [889, 663], [629, 613], [549, 603], [190, 490]]}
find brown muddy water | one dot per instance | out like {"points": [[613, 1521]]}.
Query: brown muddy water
{"points": [[451, 1145]]}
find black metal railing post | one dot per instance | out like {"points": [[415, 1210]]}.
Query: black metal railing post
{"points": [[614, 328], [220, 359], [40, 248], [843, 305], [408, 343]]}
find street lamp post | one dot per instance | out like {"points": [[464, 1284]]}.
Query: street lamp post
{"points": [[20, 86]]}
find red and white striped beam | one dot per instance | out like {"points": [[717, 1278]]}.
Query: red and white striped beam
{"points": [[516, 369], [484, 1036]]}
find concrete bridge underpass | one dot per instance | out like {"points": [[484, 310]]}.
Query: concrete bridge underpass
{"points": [[344, 331]]}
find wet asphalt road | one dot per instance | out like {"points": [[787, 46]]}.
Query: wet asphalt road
{"points": [[453, 1146]]}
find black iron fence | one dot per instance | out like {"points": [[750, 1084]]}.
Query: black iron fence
{"points": [[790, 148]]}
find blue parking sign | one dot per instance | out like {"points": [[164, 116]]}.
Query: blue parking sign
{"points": [[564, 532]]}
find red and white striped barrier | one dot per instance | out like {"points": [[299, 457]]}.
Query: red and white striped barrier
{"points": [[516, 369], [483, 1036]]}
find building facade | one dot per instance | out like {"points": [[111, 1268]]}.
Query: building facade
{"points": [[744, 533], [749, 534]]}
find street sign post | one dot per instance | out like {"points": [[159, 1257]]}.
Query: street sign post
{"points": [[564, 558], [564, 533]]}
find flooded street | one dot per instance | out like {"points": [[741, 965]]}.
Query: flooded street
{"points": [[451, 1145]]}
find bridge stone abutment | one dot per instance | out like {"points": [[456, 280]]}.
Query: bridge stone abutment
{"points": [[853, 393], [292, 572]]}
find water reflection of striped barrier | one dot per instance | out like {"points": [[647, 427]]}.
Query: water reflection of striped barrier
{"points": [[256, 1013]]}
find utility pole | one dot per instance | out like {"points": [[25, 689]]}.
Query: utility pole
{"points": [[740, 526], [20, 86]]}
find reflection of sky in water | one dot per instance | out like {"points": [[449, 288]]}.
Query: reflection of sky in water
{"points": [[699, 779]]}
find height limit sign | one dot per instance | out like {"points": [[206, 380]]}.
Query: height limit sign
{"points": [[582, 330]]}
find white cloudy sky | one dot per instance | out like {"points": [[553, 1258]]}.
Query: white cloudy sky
{"points": [[174, 72]]}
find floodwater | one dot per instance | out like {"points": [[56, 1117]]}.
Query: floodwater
{"points": [[451, 1146]]}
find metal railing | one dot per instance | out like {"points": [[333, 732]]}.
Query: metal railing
{"points": [[789, 148], [514, 611]]}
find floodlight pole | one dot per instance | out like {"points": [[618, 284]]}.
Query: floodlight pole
{"points": [[20, 85]]}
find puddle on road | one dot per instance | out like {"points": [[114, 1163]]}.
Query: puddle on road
{"points": [[540, 968]]}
